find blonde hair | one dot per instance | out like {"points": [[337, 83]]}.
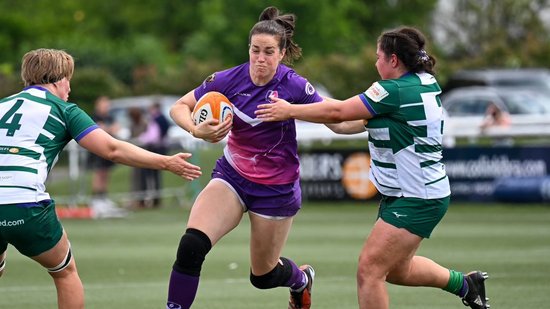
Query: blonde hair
{"points": [[46, 66]]}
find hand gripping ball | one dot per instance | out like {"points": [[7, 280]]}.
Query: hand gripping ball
{"points": [[212, 105]]}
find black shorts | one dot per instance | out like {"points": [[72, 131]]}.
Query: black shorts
{"points": [[96, 162]]}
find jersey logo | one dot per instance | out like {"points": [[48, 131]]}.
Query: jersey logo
{"points": [[271, 93], [210, 78], [376, 92], [309, 89]]}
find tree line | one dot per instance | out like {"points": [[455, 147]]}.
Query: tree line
{"points": [[131, 47]]}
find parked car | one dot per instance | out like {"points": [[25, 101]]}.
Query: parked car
{"points": [[532, 78], [473, 101]]}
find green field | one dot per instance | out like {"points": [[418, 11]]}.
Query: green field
{"points": [[125, 263]]}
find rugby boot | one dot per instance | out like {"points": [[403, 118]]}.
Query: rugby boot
{"points": [[302, 299], [475, 297]]}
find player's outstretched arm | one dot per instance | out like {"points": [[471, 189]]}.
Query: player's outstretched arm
{"points": [[327, 111], [110, 148], [348, 127]]}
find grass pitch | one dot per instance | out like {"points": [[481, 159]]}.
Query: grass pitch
{"points": [[125, 263]]}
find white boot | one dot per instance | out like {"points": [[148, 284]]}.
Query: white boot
{"points": [[105, 208]]}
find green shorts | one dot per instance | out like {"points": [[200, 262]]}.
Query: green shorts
{"points": [[417, 216], [31, 229]]}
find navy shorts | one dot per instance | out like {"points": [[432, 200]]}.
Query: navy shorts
{"points": [[267, 200]]}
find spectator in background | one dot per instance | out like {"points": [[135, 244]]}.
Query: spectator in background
{"points": [[497, 117], [159, 146], [102, 206], [156, 114], [138, 124], [145, 183]]}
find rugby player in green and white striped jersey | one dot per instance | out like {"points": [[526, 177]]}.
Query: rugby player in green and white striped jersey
{"points": [[35, 126], [403, 115]]}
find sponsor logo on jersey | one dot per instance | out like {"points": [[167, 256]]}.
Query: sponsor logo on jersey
{"points": [[376, 92], [271, 93], [5, 177], [13, 150]]}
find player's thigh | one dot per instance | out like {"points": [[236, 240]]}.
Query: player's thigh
{"points": [[386, 247], [216, 211], [56, 255], [267, 239]]}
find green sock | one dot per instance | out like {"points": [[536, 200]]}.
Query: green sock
{"points": [[456, 279]]}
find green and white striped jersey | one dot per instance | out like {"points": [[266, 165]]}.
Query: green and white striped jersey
{"points": [[405, 137], [35, 126]]}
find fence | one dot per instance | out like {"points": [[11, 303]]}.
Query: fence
{"points": [[78, 186], [307, 133]]}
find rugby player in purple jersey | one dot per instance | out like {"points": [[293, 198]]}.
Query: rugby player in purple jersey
{"points": [[258, 173]]}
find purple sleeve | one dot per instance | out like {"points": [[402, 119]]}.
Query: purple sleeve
{"points": [[303, 92], [211, 83]]}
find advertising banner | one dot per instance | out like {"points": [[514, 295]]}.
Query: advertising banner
{"points": [[336, 175], [476, 174]]}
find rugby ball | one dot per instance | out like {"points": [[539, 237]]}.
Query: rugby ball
{"points": [[212, 105]]}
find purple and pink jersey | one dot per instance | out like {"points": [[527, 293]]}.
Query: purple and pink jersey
{"points": [[262, 152]]}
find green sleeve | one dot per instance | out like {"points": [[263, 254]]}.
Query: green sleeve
{"points": [[77, 121], [384, 97]]}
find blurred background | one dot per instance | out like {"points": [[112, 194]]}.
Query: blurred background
{"points": [[131, 47], [492, 63]]}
